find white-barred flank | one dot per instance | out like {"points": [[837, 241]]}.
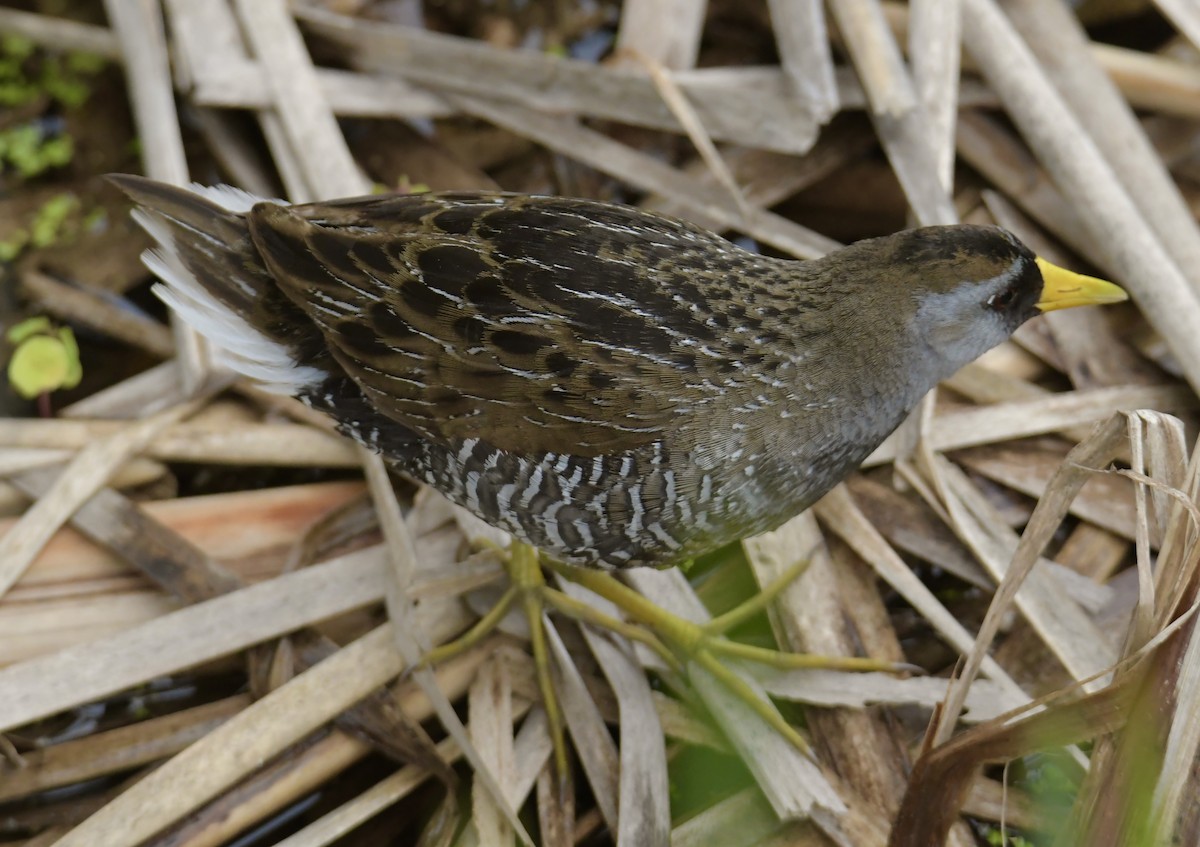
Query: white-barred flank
{"points": [[549, 503]]}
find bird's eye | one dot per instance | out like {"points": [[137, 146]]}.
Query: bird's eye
{"points": [[1000, 302]]}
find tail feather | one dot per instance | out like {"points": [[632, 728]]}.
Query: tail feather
{"points": [[214, 279]]}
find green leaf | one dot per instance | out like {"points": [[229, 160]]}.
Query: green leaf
{"points": [[38, 366], [406, 186], [12, 246], [16, 93], [17, 46], [64, 86], [43, 361], [74, 366], [26, 150], [27, 329], [86, 63], [51, 219]]}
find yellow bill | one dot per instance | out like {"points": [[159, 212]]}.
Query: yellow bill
{"points": [[1064, 289]]}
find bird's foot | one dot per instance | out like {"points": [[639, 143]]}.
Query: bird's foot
{"points": [[679, 640], [528, 587], [675, 639]]}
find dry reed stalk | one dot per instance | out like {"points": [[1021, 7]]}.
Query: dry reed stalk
{"points": [[898, 115], [757, 118], [684, 112], [590, 738], [1093, 552], [666, 33], [769, 178], [47, 625], [531, 753], [809, 617], [236, 748], [139, 28], [1147, 80], [164, 552], [143, 394], [1108, 809], [62, 34], [1001, 422], [999, 802], [116, 750], [531, 750], [997, 379], [1104, 501], [269, 790], [80, 478], [357, 95], [75, 589], [845, 519], [934, 45], [569, 137], [240, 86], [212, 51], [1001, 158], [245, 165], [643, 791], [307, 120], [43, 686], [1184, 15], [856, 691], [558, 823], [186, 572], [1161, 737], [1060, 43], [412, 640], [302, 769], [490, 702], [288, 445], [132, 474], [1152, 82], [79, 306], [366, 805], [1109, 216], [805, 56], [913, 527], [1057, 616]]}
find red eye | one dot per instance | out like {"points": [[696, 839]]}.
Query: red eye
{"points": [[1000, 302]]}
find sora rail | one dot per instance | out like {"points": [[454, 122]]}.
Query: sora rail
{"points": [[614, 387]]}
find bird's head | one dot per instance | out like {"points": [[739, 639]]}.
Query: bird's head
{"points": [[960, 290]]}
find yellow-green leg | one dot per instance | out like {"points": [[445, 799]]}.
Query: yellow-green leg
{"points": [[674, 638], [526, 575], [529, 586], [705, 644]]}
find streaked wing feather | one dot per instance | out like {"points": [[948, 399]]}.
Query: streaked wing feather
{"points": [[540, 325]]}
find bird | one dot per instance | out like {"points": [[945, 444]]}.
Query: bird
{"points": [[613, 387]]}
